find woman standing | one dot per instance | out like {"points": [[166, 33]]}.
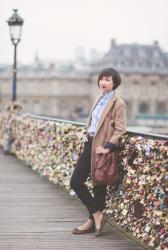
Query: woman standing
{"points": [[106, 124]]}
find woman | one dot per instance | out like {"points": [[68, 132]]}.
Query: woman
{"points": [[106, 124]]}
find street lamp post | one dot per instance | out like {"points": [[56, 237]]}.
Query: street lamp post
{"points": [[15, 23]]}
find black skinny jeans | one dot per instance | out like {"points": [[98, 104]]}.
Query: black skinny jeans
{"points": [[78, 178]]}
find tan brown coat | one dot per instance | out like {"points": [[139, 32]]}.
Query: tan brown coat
{"points": [[111, 127]]}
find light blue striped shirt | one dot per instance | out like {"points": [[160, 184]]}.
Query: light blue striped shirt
{"points": [[96, 113]]}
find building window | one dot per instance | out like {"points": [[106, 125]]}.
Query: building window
{"points": [[79, 110], [25, 101], [63, 104], [153, 83], [162, 89], [143, 108], [36, 106], [129, 108], [156, 54], [127, 89], [144, 88], [161, 107]]}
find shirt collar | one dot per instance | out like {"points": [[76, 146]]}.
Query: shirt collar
{"points": [[108, 95]]}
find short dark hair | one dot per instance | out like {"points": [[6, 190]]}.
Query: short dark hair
{"points": [[111, 72]]}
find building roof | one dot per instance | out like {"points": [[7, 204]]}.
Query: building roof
{"points": [[134, 58]]}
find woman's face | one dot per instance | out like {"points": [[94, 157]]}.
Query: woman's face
{"points": [[106, 84]]}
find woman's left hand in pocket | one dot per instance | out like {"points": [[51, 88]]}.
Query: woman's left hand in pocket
{"points": [[101, 150]]}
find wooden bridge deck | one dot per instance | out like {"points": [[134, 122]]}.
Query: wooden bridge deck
{"points": [[36, 215]]}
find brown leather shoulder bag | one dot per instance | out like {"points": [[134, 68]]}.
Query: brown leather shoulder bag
{"points": [[106, 171]]}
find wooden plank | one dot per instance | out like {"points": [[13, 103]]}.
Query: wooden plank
{"points": [[35, 214]]}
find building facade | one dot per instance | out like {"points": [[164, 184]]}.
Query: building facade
{"points": [[67, 92]]}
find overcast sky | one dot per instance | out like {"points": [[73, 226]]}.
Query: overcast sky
{"points": [[55, 28]]}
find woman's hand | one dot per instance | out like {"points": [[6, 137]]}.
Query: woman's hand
{"points": [[101, 150]]}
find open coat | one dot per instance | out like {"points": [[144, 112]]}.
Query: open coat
{"points": [[111, 127]]}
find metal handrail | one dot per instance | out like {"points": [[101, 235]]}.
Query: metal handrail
{"points": [[46, 118], [149, 135], [131, 132]]}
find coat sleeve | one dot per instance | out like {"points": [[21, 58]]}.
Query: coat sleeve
{"points": [[120, 126]]}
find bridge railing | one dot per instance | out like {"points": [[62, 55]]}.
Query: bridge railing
{"points": [[139, 202]]}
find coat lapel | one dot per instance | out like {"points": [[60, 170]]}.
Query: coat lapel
{"points": [[105, 111]]}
